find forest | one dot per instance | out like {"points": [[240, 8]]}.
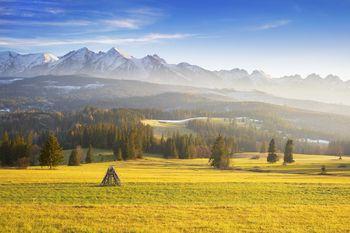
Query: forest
{"points": [[24, 134]]}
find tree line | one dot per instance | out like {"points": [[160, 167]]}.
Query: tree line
{"points": [[121, 130], [220, 153], [118, 130], [249, 137]]}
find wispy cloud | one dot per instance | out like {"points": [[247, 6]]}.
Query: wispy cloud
{"points": [[146, 11], [37, 15], [272, 25], [29, 11], [55, 11], [45, 23], [5, 11], [124, 23], [39, 42]]}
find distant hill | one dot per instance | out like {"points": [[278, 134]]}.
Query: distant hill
{"points": [[62, 92], [67, 93]]}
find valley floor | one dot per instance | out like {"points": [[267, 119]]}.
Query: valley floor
{"points": [[159, 195]]}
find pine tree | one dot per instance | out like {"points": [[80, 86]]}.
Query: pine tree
{"points": [[138, 145], [288, 152], [75, 157], [173, 150], [170, 151], [51, 154], [20, 152], [219, 155], [88, 158], [130, 146], [5, 150], [119, 156], [162, 146], [272, 156]]}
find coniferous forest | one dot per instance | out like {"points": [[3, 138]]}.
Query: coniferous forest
{"points": [[24, 135]]}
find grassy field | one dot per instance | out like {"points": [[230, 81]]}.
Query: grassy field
{"points": [[161, 195], [167, 128], [98, 155]]}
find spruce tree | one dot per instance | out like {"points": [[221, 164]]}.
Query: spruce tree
{"points": [[20, 152], [75, 157], [272, 156], [51, 154], [138, 145], [130, 146], [5, 150], [119, 156], [288, 152], [88, 158], [173, 150], [219, 155], [162, 146]]}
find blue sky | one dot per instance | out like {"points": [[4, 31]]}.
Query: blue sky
{"points": [[280, 37]]}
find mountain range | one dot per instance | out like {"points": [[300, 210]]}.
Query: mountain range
{"points": [[115, 64]]}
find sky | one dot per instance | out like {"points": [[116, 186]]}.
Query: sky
{"points": [[279, 37]]}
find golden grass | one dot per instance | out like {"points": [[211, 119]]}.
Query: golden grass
{"points": [[159, 195]]}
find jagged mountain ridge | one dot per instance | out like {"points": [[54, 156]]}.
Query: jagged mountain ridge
{"points": [[152, 68]]}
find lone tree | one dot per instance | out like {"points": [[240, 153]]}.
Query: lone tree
{"points": [[51, 154], [75, 157], [219, 155], [288, 152], [272, 156], [88, 158]]}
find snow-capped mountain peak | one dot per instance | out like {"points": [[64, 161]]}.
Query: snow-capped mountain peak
{"points": [[155, 56], [49, 57], [258, 76], [116, 64], [313, 77], [116, 52], [15, 64], [333, 78]]}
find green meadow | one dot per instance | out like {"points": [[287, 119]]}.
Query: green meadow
{"points": [[167, 128], [159, 195]]}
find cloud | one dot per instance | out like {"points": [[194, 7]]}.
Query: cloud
{"points": [[5, 11], [110, 23], [24, 10], [54, 11], [45, 23], [124, 23], [39, 42], [146, 11], [272, 25]]}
